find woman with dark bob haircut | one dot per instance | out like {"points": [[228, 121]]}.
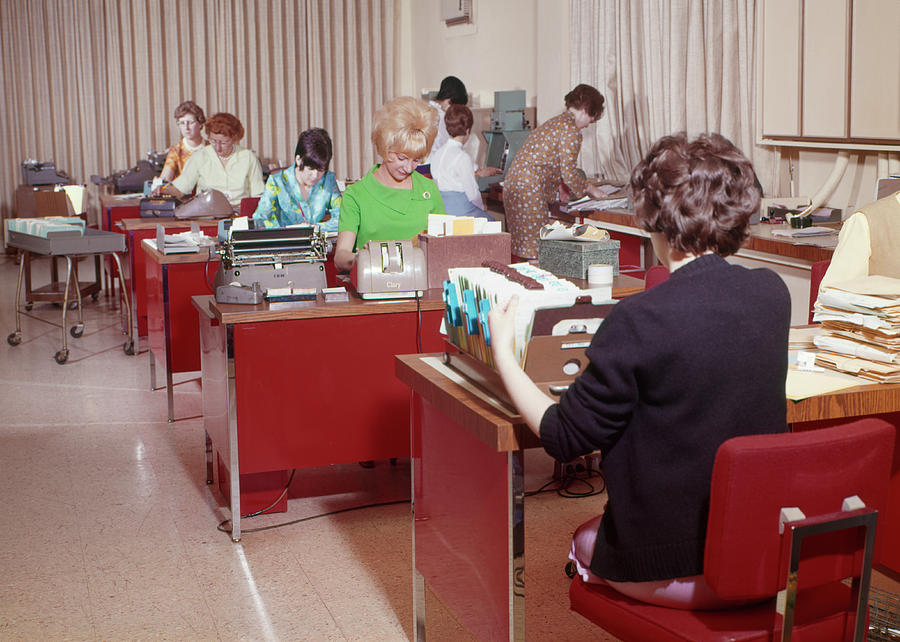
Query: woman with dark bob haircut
{"points": [[222, 165], [673, 373], [546, 161], [305, 192]]}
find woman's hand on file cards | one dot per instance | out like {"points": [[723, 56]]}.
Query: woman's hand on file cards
{"points": [[501, 322]]}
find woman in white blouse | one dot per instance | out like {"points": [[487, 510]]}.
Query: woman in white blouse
{"points": [[453, 170]]}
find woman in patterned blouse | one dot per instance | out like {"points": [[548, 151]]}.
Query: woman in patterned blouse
{"points": [[305, 192], [547, 159]]}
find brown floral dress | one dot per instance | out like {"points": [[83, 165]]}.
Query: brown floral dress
{"points": [[547, 158]]}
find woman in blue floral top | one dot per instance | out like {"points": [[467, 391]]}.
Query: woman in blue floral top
{"points": [[306, 192]]}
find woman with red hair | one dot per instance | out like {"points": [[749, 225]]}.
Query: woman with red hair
{"points": [[222, 165]]}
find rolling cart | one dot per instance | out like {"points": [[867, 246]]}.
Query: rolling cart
{"points": [[57, 240]]}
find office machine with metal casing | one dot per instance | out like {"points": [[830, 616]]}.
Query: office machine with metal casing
{"points": [[389, 270], [508, 133], [38, 173], [291, 257]]}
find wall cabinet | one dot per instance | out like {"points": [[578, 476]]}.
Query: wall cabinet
{"points": [[829, 73]]}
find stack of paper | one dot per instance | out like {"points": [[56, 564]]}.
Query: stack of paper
{"points": [[862, 323], [449, 225], [588, 204]]}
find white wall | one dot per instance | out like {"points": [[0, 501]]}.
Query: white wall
{"points": [[513, 44]]}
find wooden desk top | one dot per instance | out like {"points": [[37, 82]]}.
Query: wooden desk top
{"points": [[229, 313], [859, 401], [131, 224], [495, 428], [206, 254], [761, 239], [232, 313], [108, 200]]}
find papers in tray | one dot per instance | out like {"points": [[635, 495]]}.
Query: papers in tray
{"points": [[182, 242], [558, 230], [588, 204]]}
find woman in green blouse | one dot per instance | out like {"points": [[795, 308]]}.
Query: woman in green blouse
{"points": [[392, 201]]}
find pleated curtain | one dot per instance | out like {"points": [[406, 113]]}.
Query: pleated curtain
{"points": [[92, 84], [666, 66]]}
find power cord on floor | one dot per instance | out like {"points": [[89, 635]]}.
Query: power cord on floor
{"points": [[573, 475], [222, 528]]}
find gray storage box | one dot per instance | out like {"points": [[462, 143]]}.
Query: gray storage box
{"points": [[572, 258]]}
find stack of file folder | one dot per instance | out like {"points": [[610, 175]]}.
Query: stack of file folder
{"points": [[862, 323]]}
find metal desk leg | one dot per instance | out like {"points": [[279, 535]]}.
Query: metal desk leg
{"points": [[152, 371], [233, 444], [418, 601], [63, 354], [167, 323], [209, 458], [128, 347]]}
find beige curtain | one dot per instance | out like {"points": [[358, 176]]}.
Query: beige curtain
{"points": [[666, 66], [92, 84]]}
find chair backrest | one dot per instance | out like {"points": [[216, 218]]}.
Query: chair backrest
{"points": [[816, 272], [655, 275], [755, 476], [248, 205]]}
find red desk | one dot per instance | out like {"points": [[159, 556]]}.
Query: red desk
{"points": [[872, 400], [468, 478], [136, 230], [287, 385], [171, 280], [114, 208]]}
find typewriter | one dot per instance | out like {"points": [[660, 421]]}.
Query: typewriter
{"points": [[255, 261], [38, 173]]}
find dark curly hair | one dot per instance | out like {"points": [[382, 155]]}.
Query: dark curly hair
{"points": [[587, 98], [699, 194], [192, 108]]}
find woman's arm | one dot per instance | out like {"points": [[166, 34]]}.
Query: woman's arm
{"points": [[343, 251], [527, 397], [268, 208], [171, 190]]}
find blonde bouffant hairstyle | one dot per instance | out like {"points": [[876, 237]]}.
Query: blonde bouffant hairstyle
{"points": [[406, 126]]}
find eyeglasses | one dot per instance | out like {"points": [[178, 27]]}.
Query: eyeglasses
{"points": [[186, 123]]}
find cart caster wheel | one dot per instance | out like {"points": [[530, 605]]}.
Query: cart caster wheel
{"points": [[28, 307], [14, 339], [77, 330], [128, 347], [73, 305], [571, 570], [61, 357], [95, 296]]}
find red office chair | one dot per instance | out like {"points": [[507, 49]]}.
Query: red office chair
{"points": [[753, 479], [816, 272], [248, 205], [655, 275]]}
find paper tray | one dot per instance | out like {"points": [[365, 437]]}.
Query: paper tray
{"points": [[63, 243]]}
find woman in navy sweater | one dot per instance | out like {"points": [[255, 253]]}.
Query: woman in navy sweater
{"points": [[674, 372]]}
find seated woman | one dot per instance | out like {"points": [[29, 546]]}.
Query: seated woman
{"points": [[673, 372], [392, 201], [868, 243], [223, 165], [453, 169], [306, 192], [190, 119]]}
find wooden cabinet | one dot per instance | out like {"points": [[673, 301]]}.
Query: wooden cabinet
{"points": [[829, 73]]}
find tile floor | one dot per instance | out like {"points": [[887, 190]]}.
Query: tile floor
{"points": [[109, 529]]}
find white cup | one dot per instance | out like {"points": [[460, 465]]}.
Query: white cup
{"points": [[600, 274]]}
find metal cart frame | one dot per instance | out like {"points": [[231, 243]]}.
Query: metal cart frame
{"points": [[68, 245]]}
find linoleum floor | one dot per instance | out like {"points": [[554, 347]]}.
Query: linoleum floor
{"points": [[109, 530]]}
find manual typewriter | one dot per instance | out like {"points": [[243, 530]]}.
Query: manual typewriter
{"points": [[255, 261]]}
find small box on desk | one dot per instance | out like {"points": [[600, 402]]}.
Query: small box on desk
{"points": [[444, 252], [572, 258]]}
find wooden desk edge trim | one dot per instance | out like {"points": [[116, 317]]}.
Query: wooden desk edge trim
{"points": [[487, 424]]}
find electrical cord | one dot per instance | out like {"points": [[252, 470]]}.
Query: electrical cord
{"points": [[311, 517], [563, 486]]}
